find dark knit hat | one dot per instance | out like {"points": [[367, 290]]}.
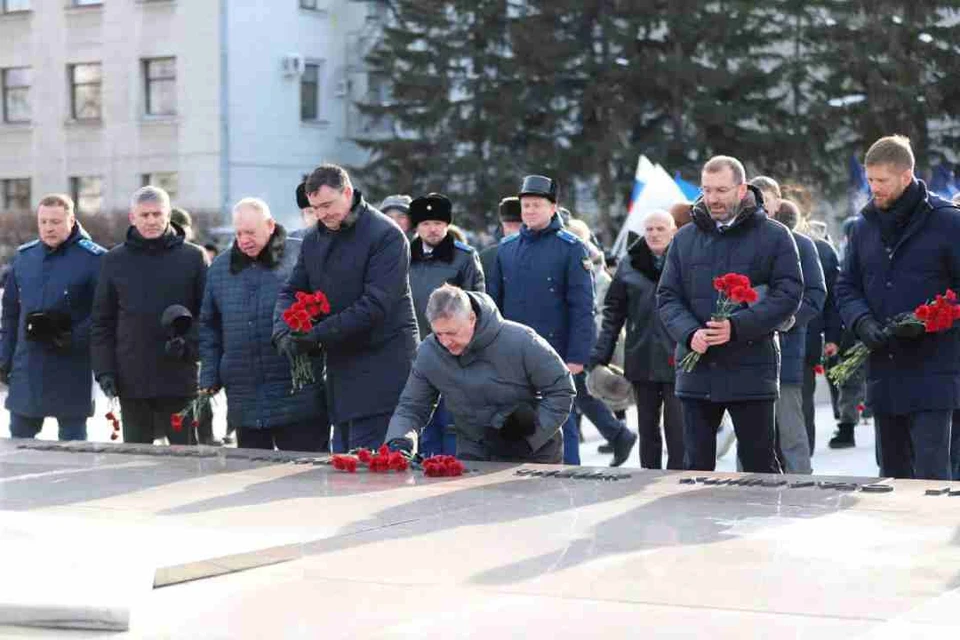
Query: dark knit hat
{"points": [[510, 210], [434, 206]]}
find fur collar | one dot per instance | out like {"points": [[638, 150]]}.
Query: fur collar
{"points": [[444, 251], [269, 257]]}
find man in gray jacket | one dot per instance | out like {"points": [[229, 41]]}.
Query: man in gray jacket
{"points": [[508, 390]]}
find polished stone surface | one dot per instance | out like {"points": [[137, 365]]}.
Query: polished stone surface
{"points": [[494, 553]]}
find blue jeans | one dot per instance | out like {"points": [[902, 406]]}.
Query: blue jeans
{"points": [[915, 445], [27, 427], [434, 439], [571, 440]]}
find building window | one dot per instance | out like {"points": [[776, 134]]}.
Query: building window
{"points": [[310, 92], [16, 94], [160, 86], [85, 3], [166, 180], [15, 194], [86, 100], [309, 4], [11, 6], [87, 193]]}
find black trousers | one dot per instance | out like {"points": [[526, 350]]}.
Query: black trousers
{"points": [[650, 397], [308, 435], [144, 419], [753, 422], [367, 432]]}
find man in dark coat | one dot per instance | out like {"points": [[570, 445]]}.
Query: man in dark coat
{"points": [[361, 260], [236, 348], [151, 367], [824, 335], [508, 390], [543, 278], [904, 250], [45, 329], [510, 223], [308, 217], [738, 369], [791, 428], [436, 257], [648, 361]]}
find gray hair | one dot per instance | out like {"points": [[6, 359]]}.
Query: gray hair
{"points": [[151, 194], [766, 183], [716, 164], [256, 204], [449, 301]]}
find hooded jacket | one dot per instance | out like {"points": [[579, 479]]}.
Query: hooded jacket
{"points": [[505, 365]]}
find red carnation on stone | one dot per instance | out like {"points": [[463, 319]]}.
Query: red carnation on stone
{"points": [[818, 369]]}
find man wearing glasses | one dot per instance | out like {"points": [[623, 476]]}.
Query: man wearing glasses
{"points": [[738, 370]]}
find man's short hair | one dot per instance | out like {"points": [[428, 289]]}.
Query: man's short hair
{"points": [[449, 301], [893, 150], [256, 204], [766, 183], [682, 213], [788, 214], [152, 194], [327, 175], [57, 200], [716, 164]]}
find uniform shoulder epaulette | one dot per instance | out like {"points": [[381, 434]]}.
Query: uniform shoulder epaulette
{"points": [[27, 245], [510, 238], [567, 236], [462, 246], [91, 246]]}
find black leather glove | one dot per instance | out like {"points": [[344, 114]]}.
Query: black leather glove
{"points": [[871, 334], [176, 348], [520, 424], [108, 384], [908, 330], [401, 444], [4, 376]]}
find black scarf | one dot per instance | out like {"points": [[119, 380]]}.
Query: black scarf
{"points": [[443, 251], [643, 260], [269, 257], [893, 221]]}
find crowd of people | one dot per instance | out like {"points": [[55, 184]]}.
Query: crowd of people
{"points": [[431, 347]]}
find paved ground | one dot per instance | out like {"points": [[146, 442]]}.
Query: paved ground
{"points": [[859, 461]]}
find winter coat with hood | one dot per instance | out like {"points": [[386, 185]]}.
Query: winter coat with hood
{"points": [[632, 299], [370, 337], [139, 279], [45, 381], [505, 365], [895, 261], [451, 262], [236, 351], [748, 366]]}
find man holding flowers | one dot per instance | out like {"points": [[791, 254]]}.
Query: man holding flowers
{"points": [[904, 251], [738, 356]]}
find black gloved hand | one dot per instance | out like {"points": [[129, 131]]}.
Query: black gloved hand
{"points": [[176, 348], [63, 341], [4, 376], [520, 424], [401, 444], [501, 446], [108, 384], [871, 334], [909, 330]]}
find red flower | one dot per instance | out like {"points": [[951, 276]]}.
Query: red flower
{"points": [[110, 416], [720, 285], [384, 450], [950, 296], [860, 408], [114, 435], [751, 295], [302, 296], [176, 421], [671, 361], [320, 298], [196, 422], [364, 455], [818, 369]]}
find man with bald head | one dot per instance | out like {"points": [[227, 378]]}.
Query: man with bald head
{"points": [[236, 352]]}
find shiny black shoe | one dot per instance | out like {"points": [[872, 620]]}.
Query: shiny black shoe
{"points": [[623, 446], [605, 448], [843, 438]]}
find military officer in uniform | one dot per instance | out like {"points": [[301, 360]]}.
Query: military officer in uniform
{"points": [[510, 223], [436, 258], [542, 278], [45, 330]]}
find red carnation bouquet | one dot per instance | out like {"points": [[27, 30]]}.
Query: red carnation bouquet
{"points": [[300, 317], [932, 317], [384, 461], [114, 419], [734, 289]]}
